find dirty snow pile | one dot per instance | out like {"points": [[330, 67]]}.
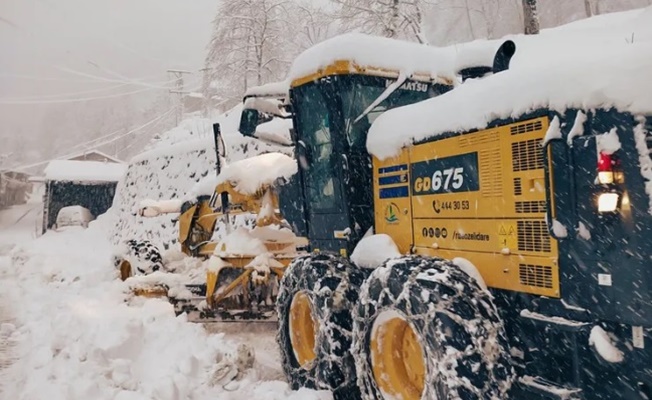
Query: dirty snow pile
{"points": [[79, 334], [600, 62]]}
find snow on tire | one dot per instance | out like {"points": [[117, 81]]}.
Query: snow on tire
{"points": [[455, 347], [316, 296]]}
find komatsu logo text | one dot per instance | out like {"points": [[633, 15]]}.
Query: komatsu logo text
{"points": [[413, 86]]}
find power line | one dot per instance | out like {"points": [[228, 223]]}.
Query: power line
{"points": [[112, 80], [46, 99], [51, 96], [77, 100], [42, 78], [16, 168]]}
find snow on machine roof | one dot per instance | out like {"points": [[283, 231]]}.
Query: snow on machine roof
{"points": [[602, 62], [360, 53]]}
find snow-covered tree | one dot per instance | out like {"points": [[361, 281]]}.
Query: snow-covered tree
{"points": [[401, 19], [247, 47]]}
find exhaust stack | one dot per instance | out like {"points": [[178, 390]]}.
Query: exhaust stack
{"points": [[501, 61]]}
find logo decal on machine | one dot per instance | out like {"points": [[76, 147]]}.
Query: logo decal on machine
{"points": [[391, 213]]}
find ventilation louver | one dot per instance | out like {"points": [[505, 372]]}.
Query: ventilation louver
{"points": [[527, 155], [533, 236], [535, 275]]}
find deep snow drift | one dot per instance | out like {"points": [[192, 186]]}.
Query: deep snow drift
{"points": [[79, 334]]}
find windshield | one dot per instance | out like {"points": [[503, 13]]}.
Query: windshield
{"points": [[362, 92], [314, 127], [326, 113]]}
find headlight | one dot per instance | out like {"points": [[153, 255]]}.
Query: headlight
{"points": [[606, 177], [607, 202]]}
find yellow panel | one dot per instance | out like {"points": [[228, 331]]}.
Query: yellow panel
{"points": [[391, 200], [185, 222], [485, 235], [479, 196], [346, 67], [495, 196], [527, 274]]}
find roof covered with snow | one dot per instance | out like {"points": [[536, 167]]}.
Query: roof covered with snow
{"points": [[93, 154], [269, 89], [602, 62], [377, 52], [84, 171]]}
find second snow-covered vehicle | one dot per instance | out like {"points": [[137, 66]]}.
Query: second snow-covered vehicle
{"points": [[517, 218]]}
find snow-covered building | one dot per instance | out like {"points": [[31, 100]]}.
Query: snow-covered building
{"points": [[94, 155], [90, 184]]}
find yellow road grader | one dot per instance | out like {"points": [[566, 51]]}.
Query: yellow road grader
{"points": [[471, 287]]}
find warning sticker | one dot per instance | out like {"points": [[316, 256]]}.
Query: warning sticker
{"points": [[507, 236]]}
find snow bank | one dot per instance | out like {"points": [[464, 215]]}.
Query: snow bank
{"points": [[84, 171], [80, 335], [584, 66]]}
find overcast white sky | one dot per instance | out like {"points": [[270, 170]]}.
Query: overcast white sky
{"points": [[133, 38]]}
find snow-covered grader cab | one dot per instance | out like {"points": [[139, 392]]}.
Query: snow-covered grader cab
{"points": [[512, 218]]}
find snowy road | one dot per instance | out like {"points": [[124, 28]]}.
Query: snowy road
{"points": [[16, 225], [73, 330]]}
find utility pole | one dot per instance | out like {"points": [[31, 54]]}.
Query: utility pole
{"points": [[178, 75], [206, 92]]}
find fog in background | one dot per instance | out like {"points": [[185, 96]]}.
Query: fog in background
{"points": [[89, 48], [78, 70]]}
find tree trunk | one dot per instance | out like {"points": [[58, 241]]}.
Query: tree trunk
{"points": [[587, 8], [393, 22], [530, 17]]}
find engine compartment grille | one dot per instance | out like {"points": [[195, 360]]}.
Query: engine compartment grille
{"points": [[535, 275], [527, 155], [525, 128], [533, 236], [523, 207]]}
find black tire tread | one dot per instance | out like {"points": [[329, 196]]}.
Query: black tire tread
{"points": [[464, 337]]}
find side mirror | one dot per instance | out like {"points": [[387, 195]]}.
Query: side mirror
{"points": [[249, 120]]}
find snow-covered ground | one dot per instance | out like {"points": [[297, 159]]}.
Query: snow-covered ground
{"points": [[71, 330]]}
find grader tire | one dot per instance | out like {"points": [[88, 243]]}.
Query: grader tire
{"points": [[425, 329], [138, 257], [316, 296]]}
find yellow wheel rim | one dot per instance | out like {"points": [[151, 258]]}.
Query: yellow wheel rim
{"points": [[302, 329], [397, 358], [125, 270]]}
